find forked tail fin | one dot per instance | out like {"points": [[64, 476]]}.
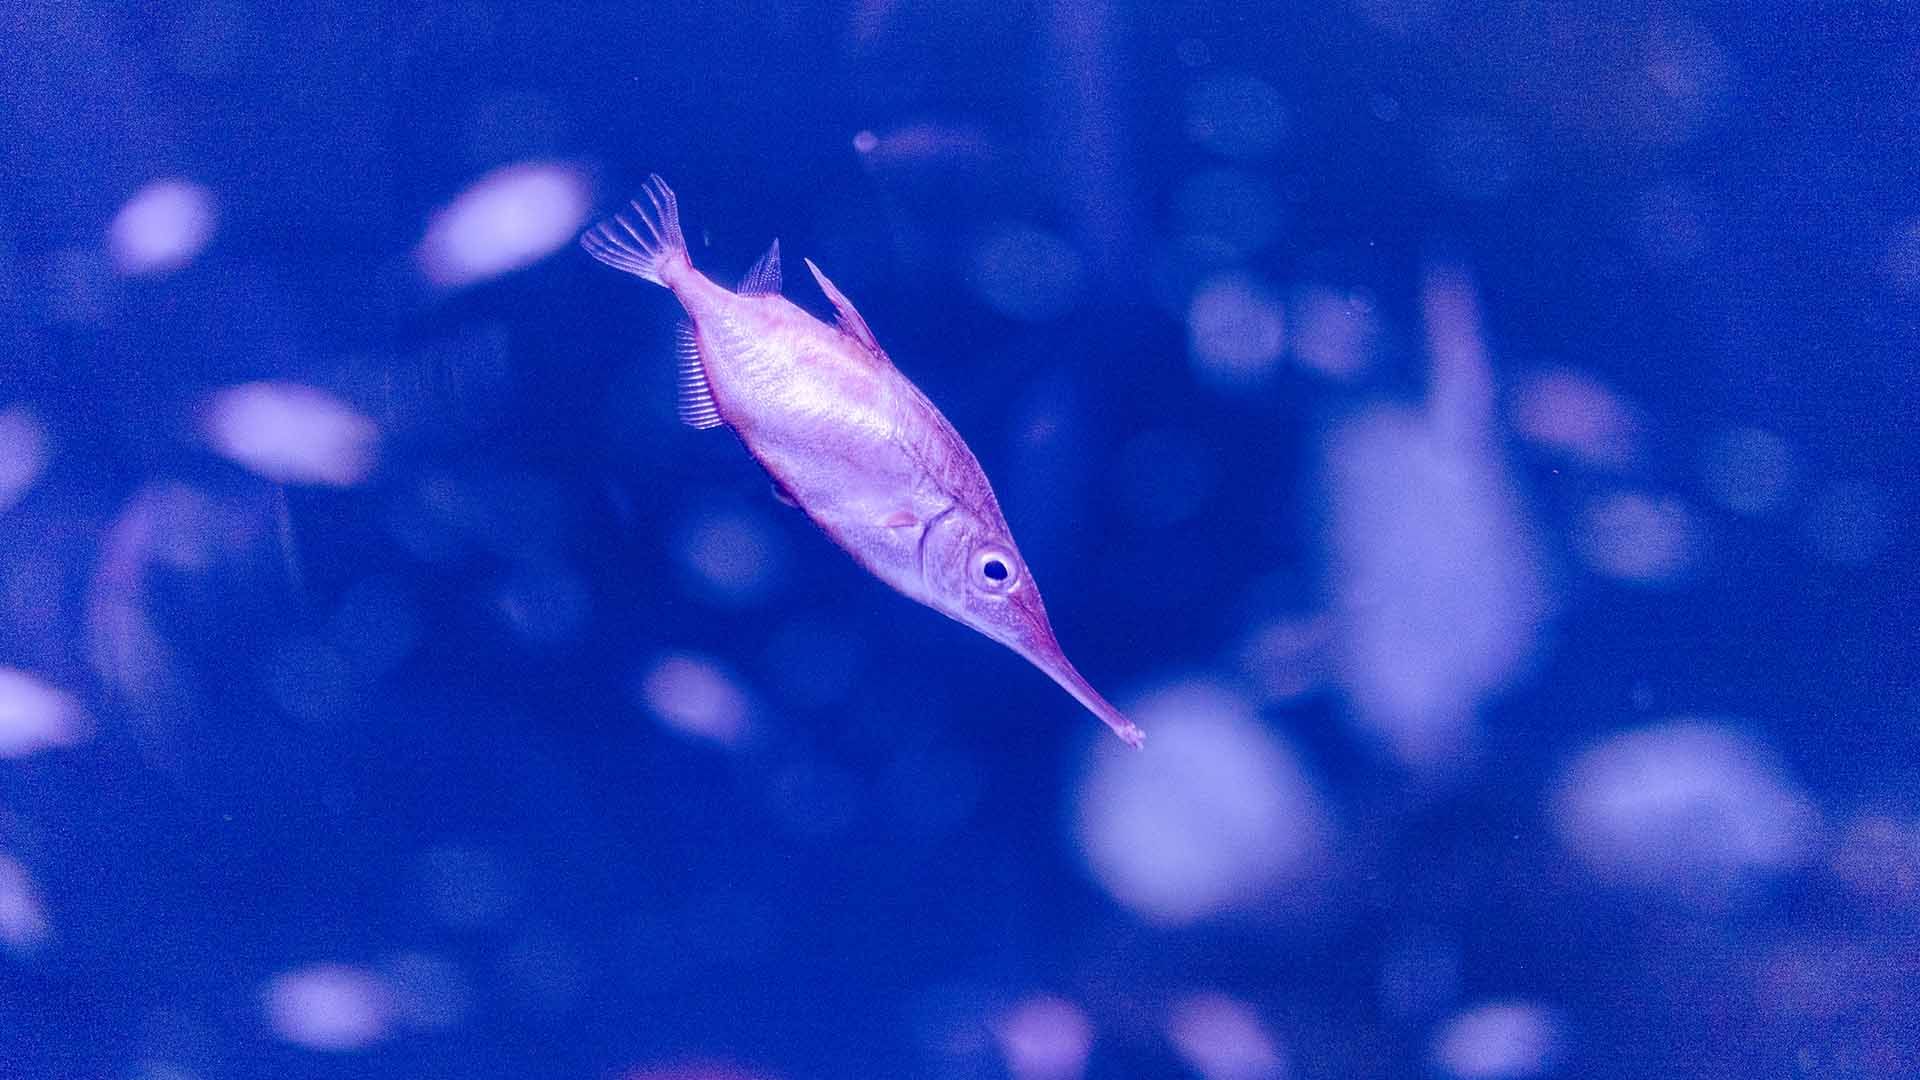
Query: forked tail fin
{"points": [[645, 239]]}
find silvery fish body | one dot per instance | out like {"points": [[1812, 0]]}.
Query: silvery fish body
{"points": [[846, 438]]}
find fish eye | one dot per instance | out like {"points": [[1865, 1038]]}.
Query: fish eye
{"points": [[994, 569]]}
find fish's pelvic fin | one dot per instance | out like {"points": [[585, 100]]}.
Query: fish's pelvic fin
{"points": [[645, 239], [851, 323], [696, 397], [764, 278], [781, 493]]}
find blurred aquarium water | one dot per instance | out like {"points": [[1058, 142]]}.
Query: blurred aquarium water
{"points": [[1475, 442]]}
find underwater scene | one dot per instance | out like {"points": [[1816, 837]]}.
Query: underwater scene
{"points": [[523, 528]]}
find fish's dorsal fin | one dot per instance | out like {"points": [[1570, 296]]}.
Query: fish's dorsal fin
{"points": [[851, 323], [764, 278], [696, 397]]}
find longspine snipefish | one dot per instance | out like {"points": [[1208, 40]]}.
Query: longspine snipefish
{"points": [[845, 438]]}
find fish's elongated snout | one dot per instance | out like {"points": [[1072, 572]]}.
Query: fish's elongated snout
{"points": [[1040, 648], [1061, 671]]}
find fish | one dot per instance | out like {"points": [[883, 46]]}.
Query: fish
{"points": [[845, 437]]}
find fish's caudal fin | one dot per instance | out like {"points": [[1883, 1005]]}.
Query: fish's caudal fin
{"points": [[645, 239]]}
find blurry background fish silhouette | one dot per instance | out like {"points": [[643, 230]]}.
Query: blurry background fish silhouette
{"points": [[1489, 429]]}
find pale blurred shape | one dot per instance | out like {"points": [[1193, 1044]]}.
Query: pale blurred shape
{"points": [[1902, 260], [510, 218], [927, 145], [330, 1007], [468, 887], [695, 696], [1045, 1038], [1749, 471], [1236, 328], [1690, 75], [291, 433], [1878, 857], [23, 454], [1682, 804], [35, 716], [1850, 994], [1219, 816], [1439, 586], [162, 228], [1335, 332], [1638, 537], [543, 601], [733, 555], [1497, 1041], [1026, 273], [23, 921], [1288, 657], [1222, 1038], [1236, 115], [162, 524], [1575, 415], [1231, 214], [1848, 523], [429, 993]]}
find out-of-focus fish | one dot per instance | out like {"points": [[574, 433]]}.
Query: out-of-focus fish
{"points": [[845, 437]]}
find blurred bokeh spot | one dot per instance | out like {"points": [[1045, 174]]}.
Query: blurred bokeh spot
{"points": [[1574, 415], [334, 1007], [508, 219], [694, 696], [24, 452], [162, 228], [1236, 328], [23, 921], [292, 434], [1693, 807], [1220, 816], [1223, 1038], [1045, 1038], [1638, 537], [35, 716], [1498, 1041]]}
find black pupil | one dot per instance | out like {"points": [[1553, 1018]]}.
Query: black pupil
{"points": [[995, 569]]}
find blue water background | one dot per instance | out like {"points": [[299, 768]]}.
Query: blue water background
{"points": [[400, 724]]}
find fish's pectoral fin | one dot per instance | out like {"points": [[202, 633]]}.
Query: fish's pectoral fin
{"points": [[763, 279], [851, 323], [696, 397], [900, 519], [781, 493]]}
